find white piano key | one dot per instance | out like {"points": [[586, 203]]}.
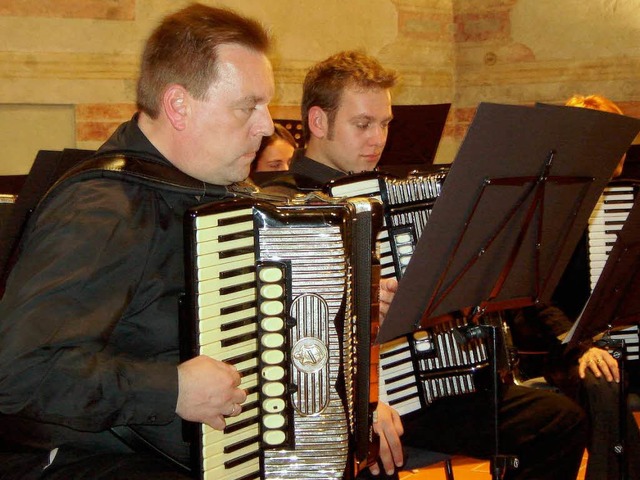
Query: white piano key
{"points": [[215, 249], [216, 284], [209, 267], [214, 234], [214, 219]]}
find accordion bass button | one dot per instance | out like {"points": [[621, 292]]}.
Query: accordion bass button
{"points": [[272, 340], [273, 389], [403, 238], [270, 274], [274, 437], [273, 420], [272, 307], [405, 250], [271, 291], [272, 357], [272, 324], [273, 405], [273, 373]]}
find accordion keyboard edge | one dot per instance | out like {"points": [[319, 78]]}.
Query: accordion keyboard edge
{"points": [[427, 364], [607, 218], [268, 286]]}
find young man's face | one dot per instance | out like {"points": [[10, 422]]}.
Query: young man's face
{"points": [[355, 139], [226, 128]]}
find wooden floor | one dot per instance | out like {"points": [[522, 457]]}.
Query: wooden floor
{"points": [[463, 469], [470, 469]]}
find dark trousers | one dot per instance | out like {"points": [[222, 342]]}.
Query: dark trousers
{"points": [[601, 400], [545, 430], [73, 464]]}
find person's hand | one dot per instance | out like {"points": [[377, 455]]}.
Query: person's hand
{"points": [[208, 391], [388, 288], [600, 362], [388, 426]]}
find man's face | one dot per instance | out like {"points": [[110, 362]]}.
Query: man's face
{"points": [[224, 130], [357, 136]]}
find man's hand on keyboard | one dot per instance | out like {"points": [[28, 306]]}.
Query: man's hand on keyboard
{"points": [[389, 428], [208, 391]]}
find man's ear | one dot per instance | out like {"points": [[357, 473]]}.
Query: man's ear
{"points": [[175, 104], [318, 122]]}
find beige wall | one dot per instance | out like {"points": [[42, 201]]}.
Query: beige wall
{"points": [[69, 68]]}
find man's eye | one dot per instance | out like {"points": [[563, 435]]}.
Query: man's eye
{"points": [[363, 126]]}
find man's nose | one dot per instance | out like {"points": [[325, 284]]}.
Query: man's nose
{"points": [[265, 127]]}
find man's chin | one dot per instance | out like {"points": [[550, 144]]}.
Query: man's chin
{"points": [[369, 164]]}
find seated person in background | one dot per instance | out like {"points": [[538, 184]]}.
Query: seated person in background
{"points": [[588, 374], [275, 151], [346, 113]]}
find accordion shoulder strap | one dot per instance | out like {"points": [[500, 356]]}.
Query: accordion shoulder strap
{"points": [[139, 169]]}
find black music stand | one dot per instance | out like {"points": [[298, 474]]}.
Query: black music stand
{"points": [[615, 302], [413, 138], [513, 206]]}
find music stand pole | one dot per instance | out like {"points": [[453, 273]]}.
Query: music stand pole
{"points": [[499, 463]]}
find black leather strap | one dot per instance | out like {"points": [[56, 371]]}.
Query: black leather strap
{"points": [[143, 170]]}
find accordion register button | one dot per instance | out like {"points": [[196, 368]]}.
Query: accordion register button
{"points": [[273, 357], [273, 389], [405, 250], [273, 373], [420, 335], [273, 420], [272, 307], [272, 340], [270, 274], [403, 238], [405, 260], [272, 324], [271, 291], [273, 437], [273, 405]]}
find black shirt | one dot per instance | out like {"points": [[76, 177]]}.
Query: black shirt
{"points": [[89, 321]]}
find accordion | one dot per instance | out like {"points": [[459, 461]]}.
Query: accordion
{"points": [[606, 220], [270, 289], [429, 363]]}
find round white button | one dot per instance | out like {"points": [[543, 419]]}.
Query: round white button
{"points": [[273, 373], [273, 389], [272, 307], [273, 405], [273, 437], [270, 274]]}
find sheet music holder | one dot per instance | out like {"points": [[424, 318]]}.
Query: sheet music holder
{"points": [[514, 204], [415, 135]]}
